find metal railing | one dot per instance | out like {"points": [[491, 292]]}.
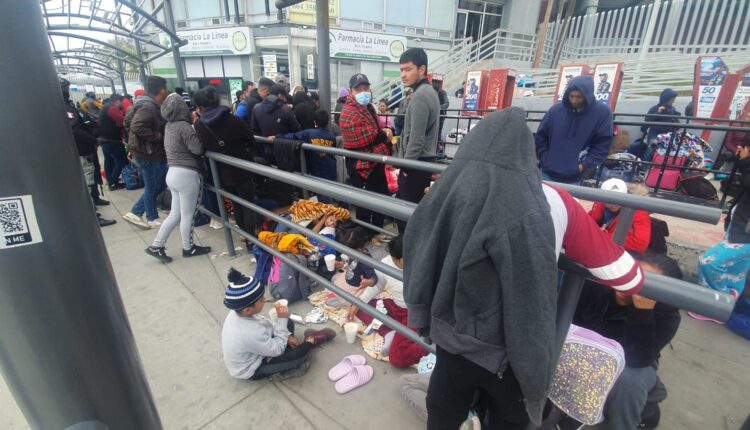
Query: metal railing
{"points": [[671, 291]]}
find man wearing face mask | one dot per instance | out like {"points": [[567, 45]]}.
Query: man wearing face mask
{"points": [[359, 127]]}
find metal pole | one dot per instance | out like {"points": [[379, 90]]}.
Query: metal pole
{"points": [[175, 47], [222, 208], [112, 86], [624, 223], [646, 43], [122, 78], [324, 54], [67, 350], [567, 300], [141, 67]]}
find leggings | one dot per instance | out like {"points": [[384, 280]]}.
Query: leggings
{"points": [[185, 185]]}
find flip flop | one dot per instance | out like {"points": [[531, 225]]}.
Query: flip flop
{"points": [[359, 376], [700, 317], [345, 366]]}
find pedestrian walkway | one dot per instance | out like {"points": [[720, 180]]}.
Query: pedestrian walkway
{"points": [[176, 312]]}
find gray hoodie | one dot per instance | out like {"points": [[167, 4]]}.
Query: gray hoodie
{"points": [[481, 269], [182, 145]]}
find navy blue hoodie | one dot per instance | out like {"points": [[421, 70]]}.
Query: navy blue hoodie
{"points": [[564, 133]]}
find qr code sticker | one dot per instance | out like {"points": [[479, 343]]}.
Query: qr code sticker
{"points": [[18, 222], [11, 217]]}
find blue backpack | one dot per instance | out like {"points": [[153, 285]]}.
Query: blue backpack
{"points": [[264, 262]]}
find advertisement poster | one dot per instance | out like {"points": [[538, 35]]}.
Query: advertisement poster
{"points": [[741, 97], [269, 66], [212, 41], [360, 45], [235, 85], [305, 12], [473, 87], [566, 74], [604, 76], [710, 74]]}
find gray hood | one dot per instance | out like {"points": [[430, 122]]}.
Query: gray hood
{"points": [[175, 109]]}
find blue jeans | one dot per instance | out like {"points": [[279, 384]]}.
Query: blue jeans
{"points": [[155, 181], [115, 159]]}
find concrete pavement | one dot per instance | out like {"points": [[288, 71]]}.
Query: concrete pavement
{"points": [[176, 314]]}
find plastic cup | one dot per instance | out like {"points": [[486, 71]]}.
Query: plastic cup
{"points": [[351, 331], [281, 302], [330, 261]]}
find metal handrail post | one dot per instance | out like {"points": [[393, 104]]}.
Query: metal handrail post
{"points": [[222, 208], [567, 300], [624, 223], [303, 169]]}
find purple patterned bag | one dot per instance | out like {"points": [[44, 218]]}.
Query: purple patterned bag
{"points": [[588, 368]]}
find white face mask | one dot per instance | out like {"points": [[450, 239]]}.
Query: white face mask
{"points": [[363, 98]]}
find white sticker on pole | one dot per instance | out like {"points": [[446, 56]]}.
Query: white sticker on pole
{"points": [[712, 73], [18, 222]]}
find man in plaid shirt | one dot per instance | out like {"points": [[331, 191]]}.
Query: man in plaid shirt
{"points": [[359, 127]]}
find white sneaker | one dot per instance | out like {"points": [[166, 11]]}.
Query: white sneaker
{"points": [[215, 224], [135, 220], [154, 224]]}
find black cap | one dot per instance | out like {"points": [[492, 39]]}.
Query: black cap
{"points": [[358, 79], [277, 90]]}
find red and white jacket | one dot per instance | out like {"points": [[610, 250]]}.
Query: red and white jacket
{"points": [[585, 243]]}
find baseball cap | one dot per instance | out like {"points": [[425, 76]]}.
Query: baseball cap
{"points": [[358, 79], [615, 184], [280, 79], [277, 90]]}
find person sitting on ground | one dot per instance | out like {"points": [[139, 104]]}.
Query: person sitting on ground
{"points": [[644, 149], [357, 276], [255, 347], [578, 123], [401, 351], [184, 178], [643, 327], [273, 117], [326, 226], [607, 215]]}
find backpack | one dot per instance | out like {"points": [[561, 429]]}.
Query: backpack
{"points": [[695, 185], [132, 178], [578, 392], [671, 176], [286, 282], [739, 321], [263, 262], [659, 234]]}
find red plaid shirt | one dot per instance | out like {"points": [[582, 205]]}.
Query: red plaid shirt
{"points": [[359, 127]]}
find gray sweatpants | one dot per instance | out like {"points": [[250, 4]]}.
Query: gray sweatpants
{"points": [[628, 397], [186, 187]]}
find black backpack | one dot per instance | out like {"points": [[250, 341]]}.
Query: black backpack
{"points": [[659, 234], [695, 185]]}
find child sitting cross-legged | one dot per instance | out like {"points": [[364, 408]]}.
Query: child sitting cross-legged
{"points": [[357, 276], [255, 347]]}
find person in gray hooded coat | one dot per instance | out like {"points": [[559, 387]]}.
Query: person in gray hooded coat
{"points": [[481, 274], [184, 178]]}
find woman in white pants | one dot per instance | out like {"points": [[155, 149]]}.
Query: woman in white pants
{"points": [[184, 179]]}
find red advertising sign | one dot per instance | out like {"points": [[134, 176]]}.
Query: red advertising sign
{"points": [[499, 89]]}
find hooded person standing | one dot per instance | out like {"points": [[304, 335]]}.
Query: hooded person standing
{"points": [[273, 117], [184, 178], [252, 98], [480, 275], [643, 149], [576, 124]]}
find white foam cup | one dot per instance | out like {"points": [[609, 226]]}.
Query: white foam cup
{"points": [[351, 331], [330, 261]]}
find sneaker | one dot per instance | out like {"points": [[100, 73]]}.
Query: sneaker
{"points": [[154, 223], [320, 336], [100, 202], [215, 224], [117, 186], [103, 222], [196, 251], [158, 253], [650, 417], [298, 371], [135, 220]]}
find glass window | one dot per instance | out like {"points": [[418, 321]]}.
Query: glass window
{"points": [[491, 23], [497, 9], [471, 5], [461, 25]]}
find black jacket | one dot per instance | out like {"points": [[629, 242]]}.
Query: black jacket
{"points": [[236, 135], [272, 117], [666, 95], [83, 134], [250, 101], [739, 228], [643, 333], [304, 111]]}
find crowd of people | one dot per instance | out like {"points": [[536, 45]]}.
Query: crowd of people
{"points": [[487, 301]]}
